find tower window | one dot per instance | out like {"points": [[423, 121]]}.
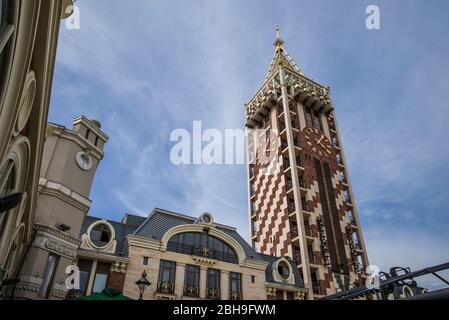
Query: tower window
{"points": [[309, 121], [316, 120], [145, 261]]}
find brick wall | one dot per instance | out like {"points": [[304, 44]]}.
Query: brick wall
{"points": [[116, 280]]}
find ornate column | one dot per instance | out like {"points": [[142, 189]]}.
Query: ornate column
{"points": [[203, 275], [179, 278], [224, 285]]}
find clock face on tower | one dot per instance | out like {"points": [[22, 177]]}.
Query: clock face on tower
{"points": [[317, 141]]}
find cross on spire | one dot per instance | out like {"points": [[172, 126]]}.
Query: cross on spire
{"points": [[281, 57]]}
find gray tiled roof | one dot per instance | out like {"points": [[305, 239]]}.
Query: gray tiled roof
{"points": [[133, 220], [121, 232], [160, 221], [249, 251], [269, 271]]}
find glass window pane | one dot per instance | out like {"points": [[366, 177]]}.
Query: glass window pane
{"points": [[49, 273], [84, 278], [100, 282]]}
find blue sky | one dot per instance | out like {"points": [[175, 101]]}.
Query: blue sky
{"points": [[143, 68]]}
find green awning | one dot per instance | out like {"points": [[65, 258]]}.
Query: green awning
{"points": [[106, 294]]}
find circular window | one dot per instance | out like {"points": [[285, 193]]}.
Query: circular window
{"points": [[206, 218], [284, 270], [83, 160], [100, 235]]}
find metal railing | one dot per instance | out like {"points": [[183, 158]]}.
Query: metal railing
{"points": [[237, 295], [166, 287], [212, 293], [191, 291], [202, 252]]}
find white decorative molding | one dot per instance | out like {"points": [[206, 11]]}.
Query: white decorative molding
{"points": [[83, 160], [63, 193], [26, 103], [212, 231], [278, 277], [86, 242]]}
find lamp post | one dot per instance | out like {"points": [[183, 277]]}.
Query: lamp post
{"points": [[143, 283], [10, 202]]}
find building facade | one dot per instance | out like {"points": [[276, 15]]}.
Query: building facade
{"points": [[28, 40], [300, 197], [184, 257], [70, 160]]}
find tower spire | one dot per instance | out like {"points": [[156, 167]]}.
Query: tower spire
{"points": [[281, 58]]}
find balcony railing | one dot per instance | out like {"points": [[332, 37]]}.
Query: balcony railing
{"points": [[202, 252], [289, 184], [191, 291], [236, 296], [166, 287], [213, 294]]}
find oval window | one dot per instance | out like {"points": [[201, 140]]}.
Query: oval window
{"points": [[100, 235], [283, 270]]}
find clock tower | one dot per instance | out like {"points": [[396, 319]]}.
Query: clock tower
{"points": [[300, 201]]}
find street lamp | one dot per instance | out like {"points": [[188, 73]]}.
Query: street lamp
{"points": [[10, 202], [143, 283]]}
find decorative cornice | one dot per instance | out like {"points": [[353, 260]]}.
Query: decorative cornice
{"points": [[63, 193], [70, 135], [299, 87], [143, 242], [85, 253], [57, 233], [204, 261]]}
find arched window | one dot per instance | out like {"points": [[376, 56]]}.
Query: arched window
{"points": [[202, 244]]}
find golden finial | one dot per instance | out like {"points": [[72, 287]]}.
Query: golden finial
{"points": [[278, 42]]}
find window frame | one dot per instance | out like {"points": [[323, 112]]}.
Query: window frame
{"points": [[48, 279], [88, 270], [195, 272], [213, 277], [202, 244], [107, 273], [171, 267], [235, 277]]}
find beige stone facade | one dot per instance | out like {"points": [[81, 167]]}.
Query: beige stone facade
{"points": [[149, 244], [28, 40]]}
